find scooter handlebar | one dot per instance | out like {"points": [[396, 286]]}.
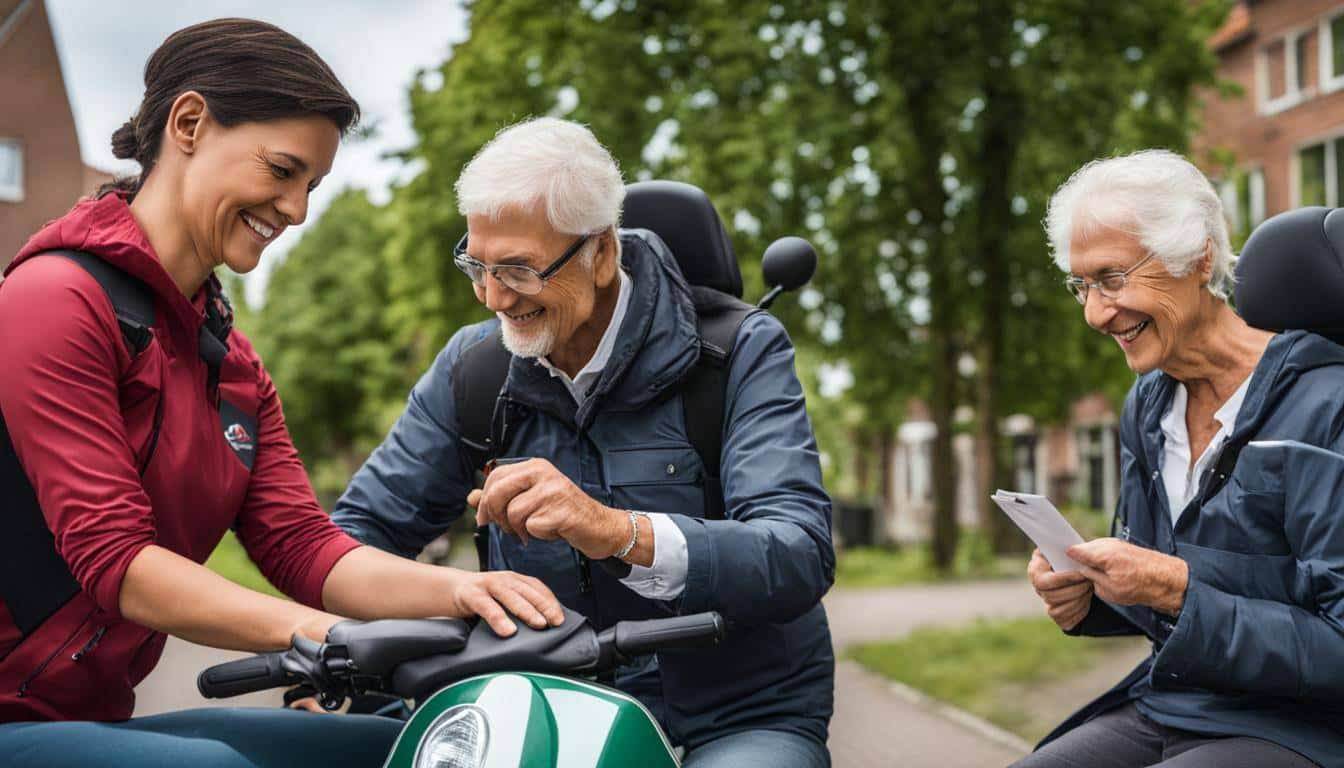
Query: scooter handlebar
{"points": [[699, 630], [254, 673]]}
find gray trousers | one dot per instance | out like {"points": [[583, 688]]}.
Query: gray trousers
{"points": [[1124, 738]]}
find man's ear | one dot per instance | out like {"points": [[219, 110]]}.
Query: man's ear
{"points": [[185, 121], [604, 261]]}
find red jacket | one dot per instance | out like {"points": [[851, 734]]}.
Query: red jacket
{"points": [[79, 413]]}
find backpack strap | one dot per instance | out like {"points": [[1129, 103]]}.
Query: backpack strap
{"points": [[718, 317], [35, 580], [478, 378], [132, 300]]}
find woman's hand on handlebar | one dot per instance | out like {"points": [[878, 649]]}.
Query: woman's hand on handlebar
{"points": [[495, 594]]}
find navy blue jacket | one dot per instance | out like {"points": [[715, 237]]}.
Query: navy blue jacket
{"points": [[1258, 647], [765, 567]]}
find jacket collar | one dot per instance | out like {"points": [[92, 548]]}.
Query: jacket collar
{"points": [[656, 347], [1288, 356]]}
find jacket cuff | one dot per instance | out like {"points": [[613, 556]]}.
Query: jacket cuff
{"points": [[309, 588], [699, 564], [1179, 656]]}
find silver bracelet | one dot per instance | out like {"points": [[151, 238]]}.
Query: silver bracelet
{"points": [[634, 536]]}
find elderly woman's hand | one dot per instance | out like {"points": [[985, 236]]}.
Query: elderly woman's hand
{"points": [[1126, 574], [1067, 595]]}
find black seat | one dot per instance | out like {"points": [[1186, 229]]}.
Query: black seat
{"points": [[684, 218], [1291, 273]]}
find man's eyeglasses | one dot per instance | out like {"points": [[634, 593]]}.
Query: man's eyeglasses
{"points": [[1110, 285], [518, 277]]}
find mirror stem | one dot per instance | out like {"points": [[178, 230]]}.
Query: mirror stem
{"points": [[770, 297]]}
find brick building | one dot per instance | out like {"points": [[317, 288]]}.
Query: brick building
{"points": [[1279, 143], [41, 171]]}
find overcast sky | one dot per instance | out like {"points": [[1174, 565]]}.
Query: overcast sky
{"points": [[374, 46]]}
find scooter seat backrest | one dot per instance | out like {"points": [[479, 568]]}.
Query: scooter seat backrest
{"points": [[684, 218], [1291, 273]]}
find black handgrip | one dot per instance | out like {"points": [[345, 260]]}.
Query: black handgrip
{"points": [[700, 630], [254, 673]]}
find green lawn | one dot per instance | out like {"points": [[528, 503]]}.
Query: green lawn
{"points": [[862, 567], [989, 668], [230, 561]]}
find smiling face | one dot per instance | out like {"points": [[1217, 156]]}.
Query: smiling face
{"points": [[1154, 314], [245, 184], [562, 314]]}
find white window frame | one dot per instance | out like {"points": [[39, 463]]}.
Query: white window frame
{"points": [[1292, 95], [13, 193], [1329, 81], [1331, 171], [1255, 187]]}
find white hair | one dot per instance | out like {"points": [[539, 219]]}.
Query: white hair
{"points": [[545, 162], [1158, 197]]}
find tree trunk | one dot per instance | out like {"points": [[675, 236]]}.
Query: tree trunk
{"points": [[1000, 140]]}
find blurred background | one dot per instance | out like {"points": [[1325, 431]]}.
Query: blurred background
{"points": [[915, 143]]}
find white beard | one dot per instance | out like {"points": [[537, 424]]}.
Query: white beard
{"points": [[537, 342]]}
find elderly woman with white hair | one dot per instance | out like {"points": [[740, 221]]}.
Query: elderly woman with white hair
{"points": [[1228, 551]]}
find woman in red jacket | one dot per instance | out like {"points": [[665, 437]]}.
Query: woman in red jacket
{"points": [[136, 458]]}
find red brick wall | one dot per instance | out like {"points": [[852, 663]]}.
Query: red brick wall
{"points": [[35, 111], [1270, 141]]}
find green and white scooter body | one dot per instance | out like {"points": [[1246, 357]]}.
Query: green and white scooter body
{"points": [[527, 720]]}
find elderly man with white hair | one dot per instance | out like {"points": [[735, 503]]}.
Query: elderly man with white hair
{"points": [[1228, 551], [597, 488]]}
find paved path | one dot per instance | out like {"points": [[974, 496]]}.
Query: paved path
{"points": [[876, 723]]}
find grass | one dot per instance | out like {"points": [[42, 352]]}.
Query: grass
{"points": [[988, 668], [863, 567], [230, 560]]}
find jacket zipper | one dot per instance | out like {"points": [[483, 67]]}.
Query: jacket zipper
{"points": [[89, 646], [23, 686]]}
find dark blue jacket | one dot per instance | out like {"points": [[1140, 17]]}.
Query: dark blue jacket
{"points": [[1258, 647], [765, 567]]}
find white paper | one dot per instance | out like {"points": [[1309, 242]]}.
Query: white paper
{"points": [[1043, 524]]}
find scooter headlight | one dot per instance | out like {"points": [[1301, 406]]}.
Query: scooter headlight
{"points": [[457, 738]]}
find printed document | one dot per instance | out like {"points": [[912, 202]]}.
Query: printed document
{"points": [[1043, 524]]}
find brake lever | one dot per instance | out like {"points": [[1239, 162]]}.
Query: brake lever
{"points": [[326, 671]]}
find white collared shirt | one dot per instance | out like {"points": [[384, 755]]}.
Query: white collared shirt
{"points": [[1180, 479], [665, 579]]}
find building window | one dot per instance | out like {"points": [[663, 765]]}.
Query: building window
{"points": [[11, 171], [1320, 173], [1243, 195], [1331, 35], [1287, 71], [1024, 463]]}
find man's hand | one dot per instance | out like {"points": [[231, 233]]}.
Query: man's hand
{"points": [[1067, 595], [533, 499], [1125, 574], [488, 595]]}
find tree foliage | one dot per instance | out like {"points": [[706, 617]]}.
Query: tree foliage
{"points": [[914, 143]]}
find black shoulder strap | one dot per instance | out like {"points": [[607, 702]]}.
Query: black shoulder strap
{"points": [[131, 299], [478, 378], [703, 392], [35, 580]]}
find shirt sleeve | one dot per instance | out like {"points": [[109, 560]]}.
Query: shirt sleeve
{"points": [[665, 579], [60, 401], [281, 525]]}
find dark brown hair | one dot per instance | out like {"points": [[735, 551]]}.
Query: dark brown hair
{"points": [[247, 71]]}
